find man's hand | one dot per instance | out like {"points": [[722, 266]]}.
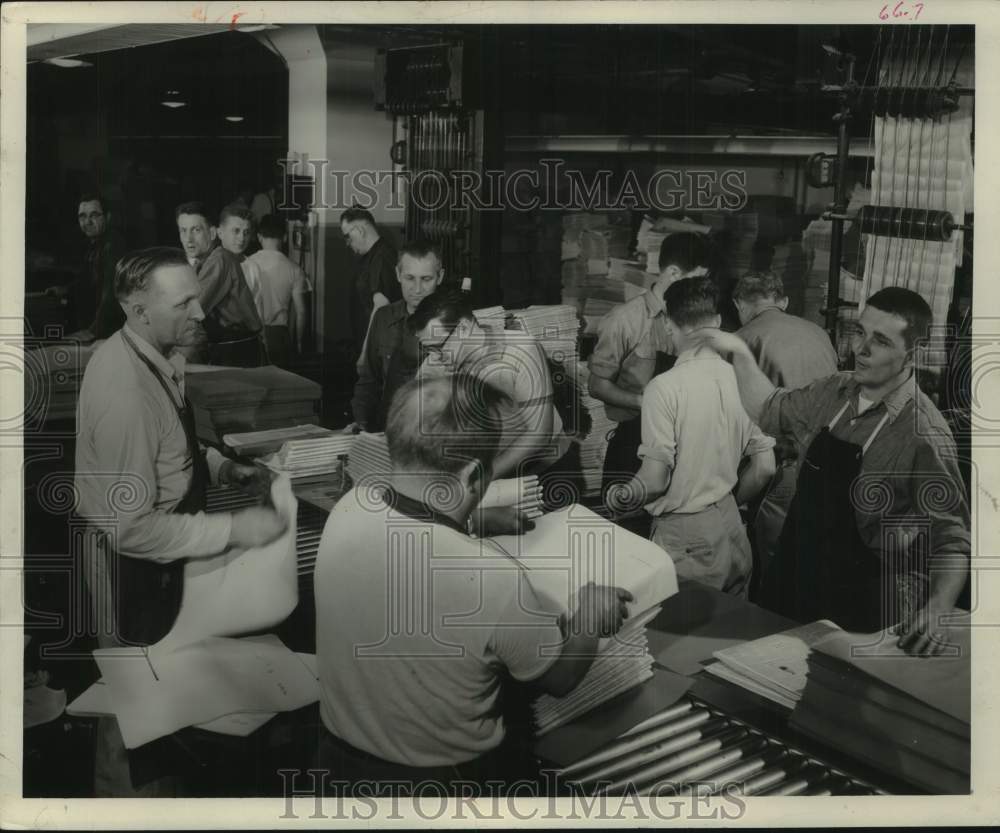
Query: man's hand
{"points": [[353, 428], [255, 526], [500, 520], [725, 344], [923, 633], [601, 612], [248, 479]]}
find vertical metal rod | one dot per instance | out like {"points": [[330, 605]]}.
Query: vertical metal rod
{"points": [[839, 207]]}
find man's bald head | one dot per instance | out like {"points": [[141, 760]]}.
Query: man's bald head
{"points": [[440, 424]]}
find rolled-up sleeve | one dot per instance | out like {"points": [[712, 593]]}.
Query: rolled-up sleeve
{"points": [[799, 413], [941, 496], [659, 418], [121, 500], [755, 440], [612, 347]]}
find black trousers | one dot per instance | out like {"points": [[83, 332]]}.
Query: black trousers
{"points": [[621, 462]]}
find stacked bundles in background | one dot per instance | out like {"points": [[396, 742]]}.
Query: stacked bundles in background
{"points": [[906, 716], [589, 240], [53, 374], [302, 459], [555, 326], [492, 318], [594, 444], [235, 400]]}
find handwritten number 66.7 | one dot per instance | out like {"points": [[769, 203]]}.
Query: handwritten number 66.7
{"points": [[899, 12]]}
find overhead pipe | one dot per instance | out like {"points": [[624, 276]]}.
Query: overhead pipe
{"points": [[690, 145]]}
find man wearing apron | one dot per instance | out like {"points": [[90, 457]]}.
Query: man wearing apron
{"points": [[141, 478], [633, 346], [877, 534]]}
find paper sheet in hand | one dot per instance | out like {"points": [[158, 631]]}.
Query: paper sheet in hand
{"points": [[239, 591], [569, 548], [200, 682]]}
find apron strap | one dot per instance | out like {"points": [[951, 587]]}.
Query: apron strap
{"points": [[871, 439], [874, 434]]}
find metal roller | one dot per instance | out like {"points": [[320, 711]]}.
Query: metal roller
{"points": [[912, 223]]}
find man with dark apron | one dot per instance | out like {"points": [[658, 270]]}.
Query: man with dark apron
{"points": [[823, 569], [138, 463], [877, 534]]}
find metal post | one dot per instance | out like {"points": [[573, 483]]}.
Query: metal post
{"points": [[839, 206]]}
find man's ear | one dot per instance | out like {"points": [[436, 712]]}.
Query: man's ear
{"points": [[716, 321], [440, 278], [213, 232], [783, 303]]}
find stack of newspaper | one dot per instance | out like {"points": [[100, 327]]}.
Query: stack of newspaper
{"points": [[310, 457]]}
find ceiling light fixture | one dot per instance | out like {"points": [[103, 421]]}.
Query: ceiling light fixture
{"points": [[67, 63], [234, 118], [256, 27], [173, 105]]}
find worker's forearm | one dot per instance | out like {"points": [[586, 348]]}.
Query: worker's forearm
{"points": [[755, 478], [609, 393], [755, 387], [947, 578]]}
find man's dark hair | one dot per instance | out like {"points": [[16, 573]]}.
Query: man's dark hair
{"points": [[439, 424], [685, 250], [93, 196], [271, 227], [690, 301], [909, 306], [419, 249], [354, 213], [193, 207], [758, 284], [450, 305], [236, 210], [133, 271]]}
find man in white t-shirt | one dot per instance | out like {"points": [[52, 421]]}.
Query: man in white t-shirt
{"points": [[695, 433], [281, 293], [418, 622]]}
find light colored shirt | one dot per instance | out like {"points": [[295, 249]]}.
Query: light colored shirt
{"points": [[789, 350], [414, 623], [909, 475], [693, 421], [133, 462], [628, 339], [277, 280]]}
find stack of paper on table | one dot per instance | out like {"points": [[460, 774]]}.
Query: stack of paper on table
{"points": [[908, 716], [773, 666], [260, 443], [567, 550], [310, 457], [556, 327], [491, 317], [191, 676], [368, 460], [236, 400]]}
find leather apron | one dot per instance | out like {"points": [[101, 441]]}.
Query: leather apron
{"points": [[822, 568], [148, 593]]}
